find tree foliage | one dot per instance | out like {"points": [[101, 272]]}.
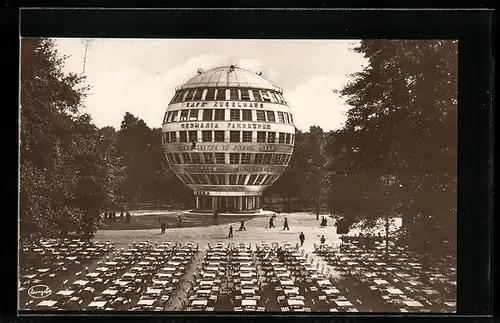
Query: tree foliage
{"points": [[397, 153], [66, 168], [304, 178], [147, 175]]}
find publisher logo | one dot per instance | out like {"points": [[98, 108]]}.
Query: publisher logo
{"points": [[39, 291]]}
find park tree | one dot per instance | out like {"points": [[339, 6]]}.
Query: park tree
{"points": [[399, 143], [64, 183], [304, 178], [315, 170], [134, 145], [288, 184], [167, 187], [147, 176]]}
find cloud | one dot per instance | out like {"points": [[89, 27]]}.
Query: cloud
{"points": [[146, 95], [315, 103], [140, 76], [257, 65]]}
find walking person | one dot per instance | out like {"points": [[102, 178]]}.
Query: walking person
{"points": [[179, 220], [302, 237], [230, 231], [163, 226], [242, 226], [271, 222], [121, 216], [281, 254], [322, 241], [285, 224]]}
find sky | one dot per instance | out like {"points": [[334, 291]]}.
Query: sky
{"points": [[139, 75]]}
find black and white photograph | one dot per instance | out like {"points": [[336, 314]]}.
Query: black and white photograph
{"points": [[237, 175]]}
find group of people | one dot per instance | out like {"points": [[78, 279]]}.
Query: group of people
{"points": [[367, 240], [302, 236], [164, 224], [285, 222], [112, 216], [271, 225], [323, 222], [242, 228]]}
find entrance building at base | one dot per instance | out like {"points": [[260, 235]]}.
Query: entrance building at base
{"points": [[228, 134]]}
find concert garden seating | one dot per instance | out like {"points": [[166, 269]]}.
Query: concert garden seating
{"points": [[403, 283], [266, 276], [139, 278]]}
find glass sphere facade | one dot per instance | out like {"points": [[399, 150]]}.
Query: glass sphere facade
{"points": [[228, 134]]}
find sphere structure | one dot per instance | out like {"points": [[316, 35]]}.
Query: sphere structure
{"points": [[228, 134]]}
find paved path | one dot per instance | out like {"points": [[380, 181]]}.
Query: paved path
{"points": [[257, 231], [179, 297]]}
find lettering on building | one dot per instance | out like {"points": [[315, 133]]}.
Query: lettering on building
{"points": [[257, 126], [251, 169], [196, 104], [227, 147], [221, 188], [201, 169], [228, 169], [233, 104], [200, 125]]}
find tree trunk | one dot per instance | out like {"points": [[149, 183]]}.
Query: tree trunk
{"points": [[317, 208], [386, 236], [289, 205]]}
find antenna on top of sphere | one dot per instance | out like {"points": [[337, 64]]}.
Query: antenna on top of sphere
{"points": [[259, 73], [200, 71], [87, 44], [231, 68]]}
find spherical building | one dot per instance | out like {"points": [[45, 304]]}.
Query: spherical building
{"points": [[228, 134]]}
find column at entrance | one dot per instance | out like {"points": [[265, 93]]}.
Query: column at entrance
{"points": [[197, 202]]}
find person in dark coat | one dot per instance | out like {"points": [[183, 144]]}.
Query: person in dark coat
{"points": [[242, 226], [230, 231], [121, 216], [128, 217], [271, 222], [285, 224], [322, 240], [163, 227], [302, 237], [179, 220], [281, 254]]}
